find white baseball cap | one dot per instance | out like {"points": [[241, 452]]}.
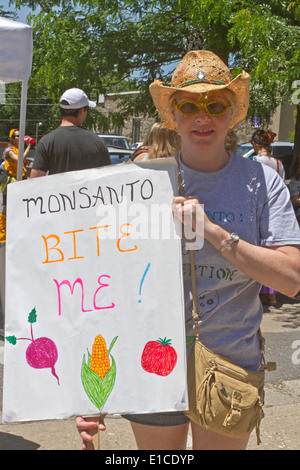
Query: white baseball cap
{"points": [[74, 98]]}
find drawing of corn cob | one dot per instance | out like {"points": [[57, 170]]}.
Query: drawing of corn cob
{"points": [[98, 375]]}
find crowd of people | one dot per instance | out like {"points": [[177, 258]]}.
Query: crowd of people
{"points": [[198, 114]]}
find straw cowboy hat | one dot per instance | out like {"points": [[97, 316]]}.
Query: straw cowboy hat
{"points": [[201, 72]]}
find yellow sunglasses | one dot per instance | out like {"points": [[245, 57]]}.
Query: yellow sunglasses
{"points": [[212, 108]]}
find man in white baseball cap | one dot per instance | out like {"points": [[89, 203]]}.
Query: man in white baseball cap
{"points": [[74, 98], [70, 147]]}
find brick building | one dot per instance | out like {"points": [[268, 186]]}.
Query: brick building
{"points": [[135, 128]]}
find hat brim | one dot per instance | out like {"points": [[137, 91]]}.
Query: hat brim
{"points": [[90, 104], [239, 86]]}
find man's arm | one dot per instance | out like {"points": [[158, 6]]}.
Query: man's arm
{"points": [[37, 173]]}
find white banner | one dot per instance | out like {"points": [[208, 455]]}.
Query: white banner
{"points": [[94, 296]]}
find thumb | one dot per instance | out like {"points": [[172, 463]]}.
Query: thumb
{"points": [[102, 426]]}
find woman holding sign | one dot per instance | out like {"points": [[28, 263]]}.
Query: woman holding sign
{"points": [[251, 238]]}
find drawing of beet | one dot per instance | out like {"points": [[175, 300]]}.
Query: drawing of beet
{"points": [[42, 352], [159, 357]]}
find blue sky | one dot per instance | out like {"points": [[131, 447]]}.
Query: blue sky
{"points": [[22, 13]]}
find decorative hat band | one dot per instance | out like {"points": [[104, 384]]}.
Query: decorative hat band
{"points": [[202, 80]]}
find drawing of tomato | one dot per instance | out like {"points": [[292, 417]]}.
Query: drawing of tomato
{"points": [[159, 357]]}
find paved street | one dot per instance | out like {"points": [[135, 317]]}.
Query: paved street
{"points": [[280, 429]]}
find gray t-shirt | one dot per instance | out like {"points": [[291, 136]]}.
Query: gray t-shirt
{"points": [[252, 200], [70, 148]]}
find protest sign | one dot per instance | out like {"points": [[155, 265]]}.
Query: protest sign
{"points": [[94, 296]]}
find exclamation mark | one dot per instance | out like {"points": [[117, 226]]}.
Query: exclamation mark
{"points": [[142, 281]]}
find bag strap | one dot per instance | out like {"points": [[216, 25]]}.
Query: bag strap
{"points": [[266, 366], [192, 261]]}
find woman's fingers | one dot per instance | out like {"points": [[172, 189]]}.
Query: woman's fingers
{"points": [[87, 426]]}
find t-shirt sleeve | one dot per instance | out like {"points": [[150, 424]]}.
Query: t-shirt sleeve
{"points": [[6, 152], [278, 224], [40, 161], [104, 154]]}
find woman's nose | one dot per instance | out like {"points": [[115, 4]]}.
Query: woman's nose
{"points": [[202, 116]]}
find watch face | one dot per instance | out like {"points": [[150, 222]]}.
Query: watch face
{"points": [[235, 237]]}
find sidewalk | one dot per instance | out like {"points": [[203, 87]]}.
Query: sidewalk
{"points": [[280, 428]]}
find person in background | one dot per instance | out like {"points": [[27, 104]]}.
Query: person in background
{"points": [[10, 165], [261, 141], [294, 187], [160, 142], [70, 147]]}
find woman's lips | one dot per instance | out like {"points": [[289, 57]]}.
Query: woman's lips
{"points": [[203, 132]]}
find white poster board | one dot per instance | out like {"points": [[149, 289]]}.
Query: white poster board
{"points": [[93, 255]]}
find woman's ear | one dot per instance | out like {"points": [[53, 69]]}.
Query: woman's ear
{"points": [[173, 113]]}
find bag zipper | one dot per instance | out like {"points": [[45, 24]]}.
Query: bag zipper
{"points": [[227, 370]]}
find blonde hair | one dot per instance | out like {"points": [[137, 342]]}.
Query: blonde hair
{"points": [[231, 142], [161, 141], [12, 133]]}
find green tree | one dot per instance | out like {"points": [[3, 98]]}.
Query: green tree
{"points": [[266, 38], [7, 14], [104, 46]]}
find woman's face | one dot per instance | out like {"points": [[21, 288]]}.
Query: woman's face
{"points": [[15, 138], [203, 130]]}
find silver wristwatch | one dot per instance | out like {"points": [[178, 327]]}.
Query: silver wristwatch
{"points": [[233, 238]]}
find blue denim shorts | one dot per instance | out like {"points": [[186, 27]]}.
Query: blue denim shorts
{"points": [[171, 418]]}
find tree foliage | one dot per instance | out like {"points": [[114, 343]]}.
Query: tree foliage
{"points": [[7, 14]]}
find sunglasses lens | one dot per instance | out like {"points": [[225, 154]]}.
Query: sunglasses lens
{"points": [[213, 108], [189, 108], [216, 107]]}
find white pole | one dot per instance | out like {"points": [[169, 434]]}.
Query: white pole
{"points": [[22, 128], [2, 284]]}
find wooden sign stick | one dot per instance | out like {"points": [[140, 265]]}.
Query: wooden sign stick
{"points": [[95, 445]]}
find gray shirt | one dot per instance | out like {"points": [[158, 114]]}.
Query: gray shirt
{"points": [[252, 200], [70, 148]]}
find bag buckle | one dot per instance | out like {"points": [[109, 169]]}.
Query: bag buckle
{"points": [[235, 411], [237, 396]]}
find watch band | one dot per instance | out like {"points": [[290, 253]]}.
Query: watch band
{"points": [[233, 238]]}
